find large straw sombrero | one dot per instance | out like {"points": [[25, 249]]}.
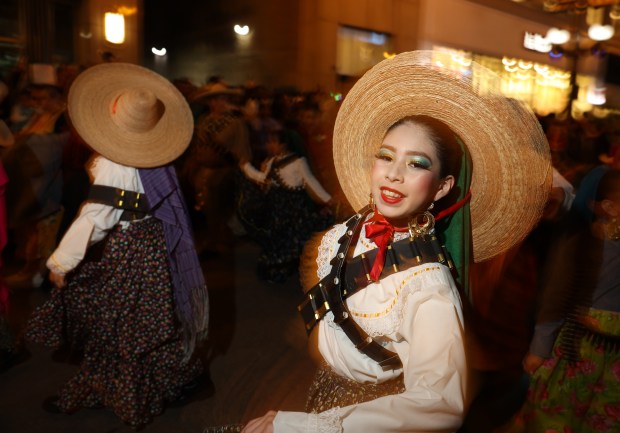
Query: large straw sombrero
{"points": [[130, 114], [510, 154]]}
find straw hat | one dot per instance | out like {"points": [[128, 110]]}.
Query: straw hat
{"points": [[130, 114], [510, 155], [214, 89]]}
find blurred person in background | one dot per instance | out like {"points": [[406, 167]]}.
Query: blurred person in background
{"points": [[220, 141], [34, 193], [505, 292], [574, 354], [286, 208], [12, 351]]}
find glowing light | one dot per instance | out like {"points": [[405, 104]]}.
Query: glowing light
{"points": [[596, 96], [523, 75], [126, 10], [525, 65], [114, 28], [86, 35], [509, 62], [241, 30], [536, 42], [461, 60], [157, 52], [556, 36], [541, 69], [337, 96], [556, 52], [387, 55], [598, 32]]}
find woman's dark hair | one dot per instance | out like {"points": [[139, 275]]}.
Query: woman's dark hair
{"points": [[283, 135], [443, 138]]}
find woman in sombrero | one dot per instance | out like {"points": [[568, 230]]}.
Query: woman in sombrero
{"points": [[442, 175], [130, 296]]}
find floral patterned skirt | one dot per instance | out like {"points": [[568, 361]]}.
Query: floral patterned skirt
{"points": [[118, 311], [581, 396]]}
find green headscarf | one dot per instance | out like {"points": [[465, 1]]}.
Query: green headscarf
{"points": [[454, 230]]}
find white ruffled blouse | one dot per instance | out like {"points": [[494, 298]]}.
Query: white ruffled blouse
{"points": [[94, 220], [416, 313], [295, 174]]}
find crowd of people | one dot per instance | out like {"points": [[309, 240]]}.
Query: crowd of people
{"points": [[482, 260]]}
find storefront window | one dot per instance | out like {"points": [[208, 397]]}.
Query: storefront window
{"points": [[544, 88], [358, 50]]}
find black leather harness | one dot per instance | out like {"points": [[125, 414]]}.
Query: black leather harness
{"points": [[350, 275]]}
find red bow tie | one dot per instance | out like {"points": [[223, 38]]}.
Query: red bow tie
{"points": [[380, 231]]}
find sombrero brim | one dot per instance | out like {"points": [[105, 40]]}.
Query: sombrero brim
{"points": [[89, 104], [510, 154]]}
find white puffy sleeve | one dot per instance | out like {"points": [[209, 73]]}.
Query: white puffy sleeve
{"points": [[311, 183], [254, 174], [94, 220]]}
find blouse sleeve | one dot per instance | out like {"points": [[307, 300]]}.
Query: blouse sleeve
{"points": [[94, 220], [311, 182], [253, 174], [435, 373]]}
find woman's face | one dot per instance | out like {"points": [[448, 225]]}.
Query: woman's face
{"points": [[405, 175]]}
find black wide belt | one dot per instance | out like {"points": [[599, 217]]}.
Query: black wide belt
{"points": [[133, 203]]}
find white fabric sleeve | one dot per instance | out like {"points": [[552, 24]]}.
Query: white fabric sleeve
{"points": [[559, 181], [253, 173], [94, 220], [435, 374], [311, 183], [299, 422], [91, 226]]}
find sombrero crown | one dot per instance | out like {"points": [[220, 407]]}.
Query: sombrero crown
{"points": [[510, 155], [130, 114]]}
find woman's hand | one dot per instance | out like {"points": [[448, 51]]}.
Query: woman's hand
{"points": [[531, 363], [57, 279], [263, 424]]}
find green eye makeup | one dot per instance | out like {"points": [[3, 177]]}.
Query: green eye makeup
{"points": [[384, 153], [420, 161]]}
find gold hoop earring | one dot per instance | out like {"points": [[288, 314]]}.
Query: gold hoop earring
{"points": [[371, 202], [422, 224]]}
